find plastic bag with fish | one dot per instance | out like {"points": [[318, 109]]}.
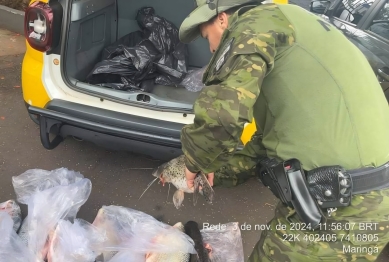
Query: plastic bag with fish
{"points": [[46, 208], [74, 242], [11, 246], [138, 233], [168, 257], [126, 256], [225, 244], [13, 209], [35, 180], [174, 172]]}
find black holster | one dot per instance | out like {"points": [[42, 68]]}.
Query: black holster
{"points": [[287, 181]]}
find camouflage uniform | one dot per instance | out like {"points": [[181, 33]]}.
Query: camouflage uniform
{"points": [[314, 97]]}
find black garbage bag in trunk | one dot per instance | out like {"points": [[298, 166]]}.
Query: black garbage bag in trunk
{"points": [[125, 71], [134, 60], [129, 40]]}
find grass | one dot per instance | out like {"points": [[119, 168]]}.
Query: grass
{"points": [[15, 4]]}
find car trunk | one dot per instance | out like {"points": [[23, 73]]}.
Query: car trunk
{"points": [[97, 24]]}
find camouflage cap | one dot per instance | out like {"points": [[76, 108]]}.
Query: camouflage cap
{"points": [[205, 10]]}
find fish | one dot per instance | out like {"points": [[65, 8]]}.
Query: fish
{"points": [[169, 257], [102, 223], [174, 172], [118, 225], [51, 244]]}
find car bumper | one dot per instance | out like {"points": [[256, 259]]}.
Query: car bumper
{"points": [[109, 129]]}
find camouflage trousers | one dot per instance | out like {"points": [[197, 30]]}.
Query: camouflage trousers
{"points": [[358, 233]]}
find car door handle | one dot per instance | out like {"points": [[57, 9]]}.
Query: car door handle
{"points": [[384, 73]]}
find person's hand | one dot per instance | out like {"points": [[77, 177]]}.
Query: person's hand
{"points": [[210, 177], [191, 176]]}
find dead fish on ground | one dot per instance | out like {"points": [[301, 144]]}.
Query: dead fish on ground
{"points": [[174, 172]]}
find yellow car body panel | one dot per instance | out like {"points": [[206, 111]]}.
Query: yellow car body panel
{"points": [[34, 92], [280, 1]]}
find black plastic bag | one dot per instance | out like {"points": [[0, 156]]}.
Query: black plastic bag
{"points": [[128, 68], [143, 55], [155, 53], [164, 35], [130, 40], [118, 73]]}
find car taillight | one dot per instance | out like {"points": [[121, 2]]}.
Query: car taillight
{"points": [[40, 20]]}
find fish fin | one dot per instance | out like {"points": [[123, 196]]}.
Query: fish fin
{"points": [[148, 186], [179, 226], [196, 191], [159, 170], [207, 190], [178, 197]]}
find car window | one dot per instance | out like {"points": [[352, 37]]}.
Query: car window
{"points": [[380, 24], [352, 11]]}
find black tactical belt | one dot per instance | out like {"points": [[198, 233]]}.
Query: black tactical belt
{"points": [[327, 187], [369, 179], [333, 186]]}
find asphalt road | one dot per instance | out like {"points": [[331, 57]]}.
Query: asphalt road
{"points": [[118, 178]]}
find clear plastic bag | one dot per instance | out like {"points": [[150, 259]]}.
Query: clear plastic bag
{"points": [[74, 242], [23, 231], [51, 196], [168, 257], [138, 233], [11, 246], [127, 256], [35, 180], [13, 209], [47, 207], [194, 80], [225, 243]]}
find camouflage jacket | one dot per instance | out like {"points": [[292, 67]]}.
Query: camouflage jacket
{"points": [[312, 93]]}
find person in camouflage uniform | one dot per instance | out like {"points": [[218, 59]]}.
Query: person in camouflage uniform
{"points": [[313, 96]]}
